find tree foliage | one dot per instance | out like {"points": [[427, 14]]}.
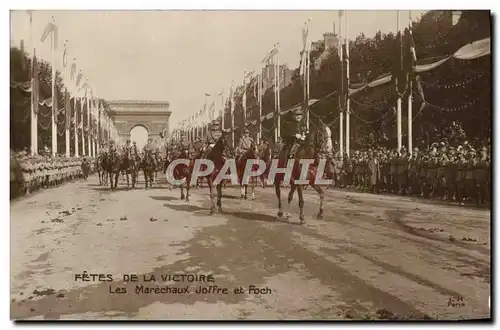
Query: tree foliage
{"points": [[20, 105], [450, 89]]}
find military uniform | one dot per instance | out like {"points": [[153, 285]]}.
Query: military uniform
{"points": [[481, 175], [294, 138], [403, 171], [245, 143]]}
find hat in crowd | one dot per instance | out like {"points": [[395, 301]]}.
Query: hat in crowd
{"points": [[415, 149]]}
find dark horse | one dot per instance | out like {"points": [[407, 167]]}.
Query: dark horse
{"points": [[112, 164], [101, 172], [216, 155], [148, 165], [266, 155], [250, 154], [181, 171], [129, 166], [310, 148]]}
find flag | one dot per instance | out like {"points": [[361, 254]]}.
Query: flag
{"points": [[212, 111], [78, 78], [231, 97], [67, 107], [303, 54], [65, 54], [23, 56], [34, 82], [413, 58], [50, 28], [270, 55], [256, 87]]}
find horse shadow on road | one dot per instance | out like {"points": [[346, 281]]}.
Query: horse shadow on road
{"points": [[197, 210], [165, 198], [260, 217], [106, 188]]}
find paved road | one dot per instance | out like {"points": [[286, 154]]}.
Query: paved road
{"points": [[371, 257]]}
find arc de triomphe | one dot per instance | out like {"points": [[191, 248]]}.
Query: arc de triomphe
{"points": [[154, 116]]}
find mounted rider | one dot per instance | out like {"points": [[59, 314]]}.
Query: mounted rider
{"points": [[183, 146], [133, 149], [197, 146], [126, 149], [297, 134], [244, 144], [102, 149], [149, 147], [112, 147]]}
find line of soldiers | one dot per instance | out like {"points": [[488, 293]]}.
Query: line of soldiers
{"points": [[29, 173], [442, 171], [127, 148]]}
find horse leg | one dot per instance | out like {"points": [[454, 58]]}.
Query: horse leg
{"points": [[117, 176], [187, 190], [293, 188], [321, 199], [182, 192], [300, 192], [110, 180], [128, 180], [242, 188], [219, 196], [212, 197], [277, 189], [146, 178], [254, 184]]}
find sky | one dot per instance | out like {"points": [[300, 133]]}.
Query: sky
{"points": [[178, 56]]}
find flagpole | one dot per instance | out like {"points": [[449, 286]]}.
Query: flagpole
{"points": [[259, 81], [34, 92], [89, 124], [54, 98], [92, 119], [76, 125], [278, 89], [82, 104], [306, 87], [307, 74], [232, 115], [244, 98], [222, 105], [99, 126], [96, 126], [66, 103], [75, 109], [348, 103], [342, 95], [410, 110], [399, 128]]}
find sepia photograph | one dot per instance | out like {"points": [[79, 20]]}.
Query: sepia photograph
{"points": [[242, 165]]}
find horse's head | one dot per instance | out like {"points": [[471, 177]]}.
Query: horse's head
{"points": [[252, 152], [315, 139]]}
